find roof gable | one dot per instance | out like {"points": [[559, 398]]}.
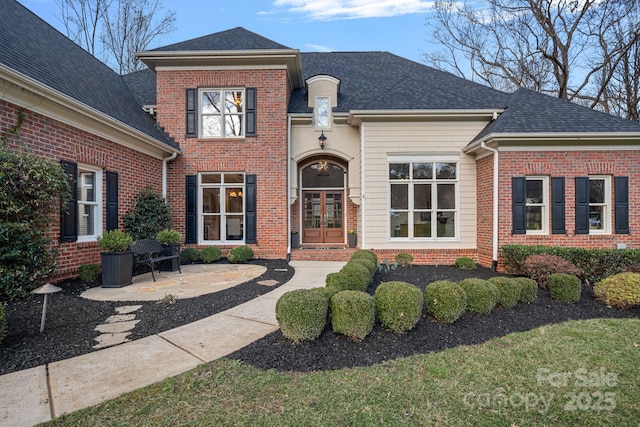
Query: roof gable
{"points": [[237, 38]]}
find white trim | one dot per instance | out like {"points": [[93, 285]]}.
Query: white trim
{"points": [[223, 214], [569, 148], [544, 220], [222, 114], [219, 67], [98, 186], [607, 211]]}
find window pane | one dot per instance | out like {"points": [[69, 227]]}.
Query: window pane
{"points": [[211, 200], [322, 112], [211, 126], [445, 170], [233, 178], [234, 200], [422, 196], [534, 217], [399, 224], [422, 224], [211, 103], [399, 196], [596, 217], [596, 191], [211, 225], [233, 102], [234, 227], [534, 191], [86, 187], [422, 170], [399, 171], [446, 226], [86, 220], [446, 196], [211, 178], [233, 125], [323, 175]]}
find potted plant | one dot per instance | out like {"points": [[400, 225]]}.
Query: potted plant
{"points": [[352, 238], [170, 241], [295, 239], [117, 259]]}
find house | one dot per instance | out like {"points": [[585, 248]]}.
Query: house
{"points": [[250, 140]]}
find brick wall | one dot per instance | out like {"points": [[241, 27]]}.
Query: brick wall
{"points": [[57, 141], [264, 155], [484, 175]]}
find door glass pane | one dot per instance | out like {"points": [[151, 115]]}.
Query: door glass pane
{"points": [[596, 191], [422, 170], [445, 170], [446, 196], [422, 224], [234, 200], [446, 226], [323, 175], [312, 211], [534, 191], [399, 171], [211, 200], [334, 210], [422, 196], [234, 227], [399, 224], [534, 217], [211, 227], [399, 196]]}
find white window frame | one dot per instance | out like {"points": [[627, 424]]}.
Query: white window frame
{"points": [[223, 208], [96, 204], [545, 204], [434, 197], [606, 212], [223, 114]]}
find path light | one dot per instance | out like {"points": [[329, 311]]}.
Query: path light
{"points": [[46, 290]]}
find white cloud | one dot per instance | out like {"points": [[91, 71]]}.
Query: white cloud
{"points": [[318, 48], [324, 10]]}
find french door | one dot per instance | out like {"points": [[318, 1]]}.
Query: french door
{"points": [[323, 216]]}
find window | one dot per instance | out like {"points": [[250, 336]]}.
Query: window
{"points": [[222, 207], [222, 113], [423, 200], [89, 204], [599, 204], [322, 112], [536, 202]]}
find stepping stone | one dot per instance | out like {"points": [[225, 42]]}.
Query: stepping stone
{"points": [[268, 282], [108, 340], [126, 309], [117, 328], [120, 318]]}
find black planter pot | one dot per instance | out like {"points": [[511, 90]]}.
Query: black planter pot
{"points": [[352, 238], [170, 264], [295, 240], [117, 269]]}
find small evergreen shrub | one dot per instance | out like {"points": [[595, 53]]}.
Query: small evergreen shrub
{"points": [[465, 263], [529, 291], [565, 287], [210, 254], [365, 253], [620, 290], [353, 314], [148, 217], [446, 301], [3, 323], [540, 267], [358, 277], [337, 281], [403, 259], [240, 254], [482, 295], [115, 241], [302, 314], [168, 237], [189, 255], [398, 305], [89, 272], [509, 291], [368, 264]]}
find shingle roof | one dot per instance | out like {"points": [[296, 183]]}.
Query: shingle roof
{"points": [[143, 86], [237, 38], [33, 48]]}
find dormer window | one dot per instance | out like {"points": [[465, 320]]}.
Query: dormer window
{"points": [[322, 112]]}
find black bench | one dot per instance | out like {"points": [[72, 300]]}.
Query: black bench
{"points": [[149, 251]]}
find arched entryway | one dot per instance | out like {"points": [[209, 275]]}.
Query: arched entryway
{"points": [[323, 204]]}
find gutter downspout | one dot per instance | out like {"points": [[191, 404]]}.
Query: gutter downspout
{"points": [[494, 263], [288, 203], [361, 220], [164, 173]]}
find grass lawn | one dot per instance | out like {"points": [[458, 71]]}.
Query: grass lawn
{"points": [[575, 373]]}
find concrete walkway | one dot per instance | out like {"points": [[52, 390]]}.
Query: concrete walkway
{"points": [[40, 394]]}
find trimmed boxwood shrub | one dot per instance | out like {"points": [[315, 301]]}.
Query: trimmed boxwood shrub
{"points": [[368, 264], [240, 254], [482, 295], [3, 323], [403, 259], [353, 314], [89, 272], [365, 253], [189, 255], [337, 281], [302, 314], [465, 263], [398, 305], [529, 291], [446, 301], [210, 254], [509, 291], [358, 276], [565, 287], [620, 290]]}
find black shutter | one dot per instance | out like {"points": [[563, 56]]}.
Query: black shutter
{"points": [[191, 229], [250, 213], [191, 110], [69, 216], [518, 198], [112, 201], [582, 205], [557, 206], [250, 111], [621, 189]]}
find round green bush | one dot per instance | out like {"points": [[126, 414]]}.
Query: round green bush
{"points": [[369, 265], [398, 305], [620, 290], [365, 253], [482, 295], [465, 263], [240, 254], [210, 254], [89, 272], [509, 291], [337, 281], [358, 276], [352, 314], [446, 301], [302, 314], [3, 323], [529, 291], [403, 259], [189, 255], [564, 287]]}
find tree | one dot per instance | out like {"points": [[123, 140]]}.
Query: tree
{"points": [[113, 30], [568, 48]]}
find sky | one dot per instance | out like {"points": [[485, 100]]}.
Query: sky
{"points": [[396, 26]]}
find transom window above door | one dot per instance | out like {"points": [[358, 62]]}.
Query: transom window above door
{"points": [[222, 113]]}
